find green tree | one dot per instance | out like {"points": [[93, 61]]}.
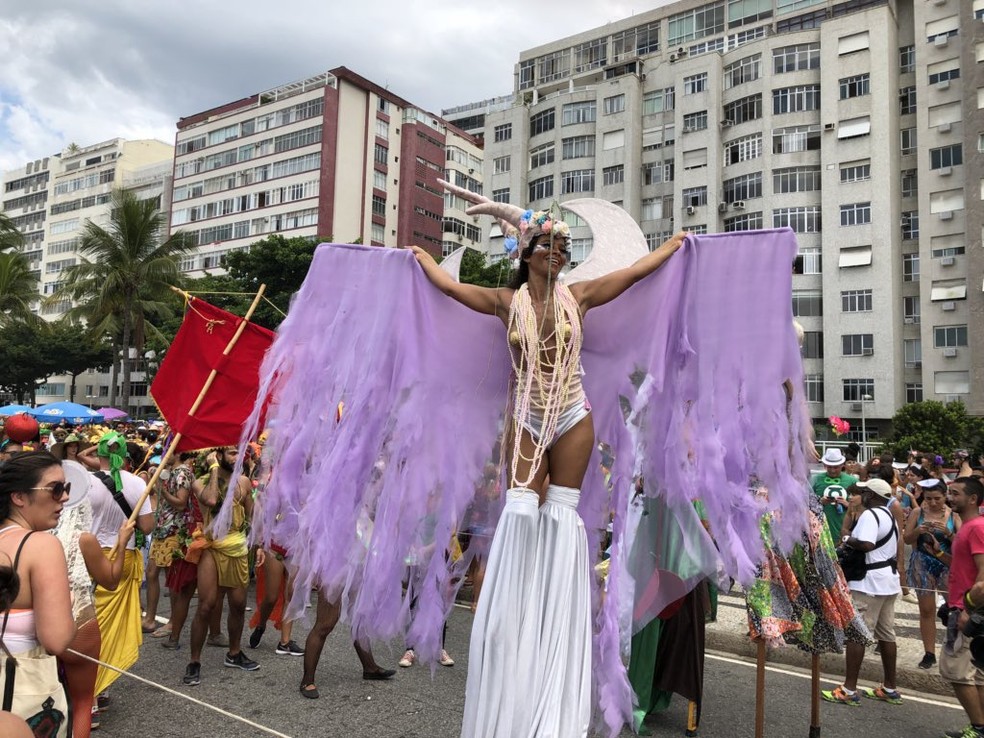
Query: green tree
{"points": [[18, 289], [935, 427], [126, 273], [10, 235], [70, 351], [475, 269], [25, 362]]}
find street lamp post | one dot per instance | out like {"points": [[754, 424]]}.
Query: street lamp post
{"points": [[864, 431]]}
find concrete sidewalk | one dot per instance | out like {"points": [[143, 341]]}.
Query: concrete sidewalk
{"points": [[730, 635]]}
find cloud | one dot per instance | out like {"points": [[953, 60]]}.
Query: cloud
{"points": [[83, 71]]}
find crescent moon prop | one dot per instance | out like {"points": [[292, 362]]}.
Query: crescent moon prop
{"points": [[618, 240], [78, 476], [452, 263]]}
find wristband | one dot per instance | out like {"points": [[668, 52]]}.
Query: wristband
{"points": [[969, 602], [213, 466]]}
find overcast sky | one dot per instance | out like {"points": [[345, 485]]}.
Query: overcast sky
{"points": [[83, 71]]}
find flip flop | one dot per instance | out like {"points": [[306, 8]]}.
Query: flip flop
{"points": [[145, 629], [163, 632]]}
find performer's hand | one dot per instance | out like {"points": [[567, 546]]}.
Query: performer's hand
{"points": [[422, 255], [260, 558], [126, 532], [675, 242]]}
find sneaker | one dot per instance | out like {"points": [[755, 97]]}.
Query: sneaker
{"points": [[289, 649], [891, 696], [218, 640], [193, 674], [94, 719], [968, 731], [911, 597], [928, 661], [408, 658], [241, 661], [256, 636], [102, 700], [878, 648], [840, 695], [446, 659]]}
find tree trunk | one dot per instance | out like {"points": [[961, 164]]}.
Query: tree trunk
{"points": [[113, 374], [127, 364], [71, 392]]}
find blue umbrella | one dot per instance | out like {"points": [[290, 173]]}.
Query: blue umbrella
{"points": [[8, 410], [71, 412]]}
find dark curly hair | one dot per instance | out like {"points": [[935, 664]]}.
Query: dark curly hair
{"points": [[21, 472]]}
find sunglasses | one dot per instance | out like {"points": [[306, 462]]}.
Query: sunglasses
{"points": [[57, 490]]}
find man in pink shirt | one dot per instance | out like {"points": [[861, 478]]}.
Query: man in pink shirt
{"points": [[966, 592]]}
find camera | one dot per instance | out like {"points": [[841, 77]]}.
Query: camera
{"points": [[974, 629]]}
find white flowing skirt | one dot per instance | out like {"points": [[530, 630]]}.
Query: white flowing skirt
{"points": [[500, 673], [557, 628]]}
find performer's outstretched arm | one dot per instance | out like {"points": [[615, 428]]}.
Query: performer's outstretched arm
{"points": [[480, 299], [604, 289]]}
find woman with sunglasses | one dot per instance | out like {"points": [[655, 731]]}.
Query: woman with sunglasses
{"points": [[32, 493]]}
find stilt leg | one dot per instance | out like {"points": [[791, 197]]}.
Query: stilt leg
{"points": [[760, 691], [815, 697], [693, 718]]}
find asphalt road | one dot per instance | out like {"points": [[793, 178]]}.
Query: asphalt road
{"points": [[416, 704]]}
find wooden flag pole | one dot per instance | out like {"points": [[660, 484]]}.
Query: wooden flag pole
{"points": [[198, 401]]}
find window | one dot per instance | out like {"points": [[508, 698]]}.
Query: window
{"points": [[743, 149], [944, 71], [907, 59], [590, 55], [800, 22], [745, 187], [796, 138], [579, 112], [855, 171], [500, 195], [501, 164], [908, 140], [502, 133], [795, 99], [553, 66], [854, 256], [379, 206], [796, 58], [541, 122], [858, 344], [541, 188], [578, 146], [695, 121], [380, 154], [640, 40], [856, 301], [811, 260], [745, 222], [946, 201], [742, 12], [807, 304], [658, 101], [796, 179], [910, 267], [694, 84], [744, 70], [952, 383], [580, 249], [949, 245], [949, 336], [657, 172], [614, 104], [853, 43], [801, 220], [743, 110], [859, 390], [579, 180], [652, 208], [907, 100], [613, 140], [913, 392], [814, 387], [694, 196], [912, 352], [856, 213], [541, 155], [694, 24], [946, 156], [613, 175], [910, 225], [910, 183], [812, 345], [910, 309], [856, 86], [945, 27], [854, 127]]}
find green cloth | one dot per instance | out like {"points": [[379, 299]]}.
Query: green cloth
{"points": [[834, 513], [112, 446], [642, 664]]}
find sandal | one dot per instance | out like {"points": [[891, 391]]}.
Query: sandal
{"points": [[311, 694], [162, 632]]}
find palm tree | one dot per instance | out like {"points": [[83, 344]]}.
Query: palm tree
{"points": [[10, 235], [126, 272], [18, 288]]}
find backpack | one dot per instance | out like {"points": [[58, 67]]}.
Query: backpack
{"points": [[853, 562]]}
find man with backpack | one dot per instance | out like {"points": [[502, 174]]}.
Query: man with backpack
{"points": [[874, 586]]}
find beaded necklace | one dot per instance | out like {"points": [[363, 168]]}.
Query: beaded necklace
{"points": [[542, 384]]}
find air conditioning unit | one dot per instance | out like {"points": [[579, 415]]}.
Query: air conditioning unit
{"points": [[867, 352], [723, 207], [689, 129], [673, 57], [949, 352], [943, 84], [948, 307], [945, 171], [856, 407], [944, 127], [946, 215], [726, 123], [948, 261], [829, 126], [952, 398], [909, 321], [738, 205], [941, 41], [691, 210]]}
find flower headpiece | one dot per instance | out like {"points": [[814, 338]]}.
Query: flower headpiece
{"points": [[839, 426]]}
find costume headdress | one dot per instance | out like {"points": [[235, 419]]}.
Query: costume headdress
{"points": [[112, 446], [519, 226]]}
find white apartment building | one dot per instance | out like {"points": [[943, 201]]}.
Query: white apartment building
{"points": [[857, 123], [50, 199]]}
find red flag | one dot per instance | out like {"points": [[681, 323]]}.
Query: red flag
{"points": [[194, 353]]}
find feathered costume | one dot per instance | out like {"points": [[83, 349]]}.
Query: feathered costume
{"points": [[684, 373]]}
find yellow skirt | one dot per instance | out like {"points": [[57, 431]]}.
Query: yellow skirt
{"points": [[119, 615], [233, 570]]}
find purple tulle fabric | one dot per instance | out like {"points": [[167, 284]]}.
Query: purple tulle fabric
{"points": [[684, 373]]}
